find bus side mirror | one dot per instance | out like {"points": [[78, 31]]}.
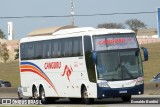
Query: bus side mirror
{"points": [[94, 57], [145, 53]]}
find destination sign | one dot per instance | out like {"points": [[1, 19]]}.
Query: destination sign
{"points": [[114, 42]]}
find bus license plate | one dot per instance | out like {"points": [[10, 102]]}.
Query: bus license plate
{"points": [[123, 91]]}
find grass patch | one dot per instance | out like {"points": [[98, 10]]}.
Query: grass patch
{"points": [[152, 66], [10, 71]]}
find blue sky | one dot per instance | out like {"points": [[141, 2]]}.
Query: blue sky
{"points": [[22, 27]]}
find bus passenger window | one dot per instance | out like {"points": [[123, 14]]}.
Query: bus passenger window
{"points": [[81, 50], [56, 48], [67, 47], [30, 51], [46, 49], [77, 46], [38, 50], [22, 51]]}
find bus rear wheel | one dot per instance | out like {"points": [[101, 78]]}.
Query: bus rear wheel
{"points": [[19, 96], [85, 98], [35, 93], [42, 96]]}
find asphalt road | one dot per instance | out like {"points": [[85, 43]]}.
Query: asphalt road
{"points": [[138, 101]]}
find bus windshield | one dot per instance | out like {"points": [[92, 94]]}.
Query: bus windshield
{"points": [[118, 57], [123, 65]]}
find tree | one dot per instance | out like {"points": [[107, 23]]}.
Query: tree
{"points": [[5, 56], [4, 52], [135, 24], [111, 26], [2, 34], [17, 54]]}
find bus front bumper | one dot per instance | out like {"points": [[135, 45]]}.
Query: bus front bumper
{"points": [[106, 92]]}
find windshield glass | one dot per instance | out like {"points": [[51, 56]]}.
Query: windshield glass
{"points": [[119, 65]]}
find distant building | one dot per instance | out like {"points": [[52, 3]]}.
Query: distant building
{"points": [[147, 33], [146, 36]]}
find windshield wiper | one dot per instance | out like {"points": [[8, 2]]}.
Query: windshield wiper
{"points": [[121, 68], [116, 70], [126, 70]]}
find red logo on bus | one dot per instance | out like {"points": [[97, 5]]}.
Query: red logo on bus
{"points": [[112, 41], [68, 71]]}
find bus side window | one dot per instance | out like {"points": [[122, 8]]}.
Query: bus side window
{"points": [[56, 48], [81, 49], [46, 49], [30, 51], [77, 46], [38, 50], [22, 51], [67, 47], [88, 43], [89, 64]]}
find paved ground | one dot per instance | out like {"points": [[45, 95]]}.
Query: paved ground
{"points": [[150, 94], [150, 89], [99, 103]]}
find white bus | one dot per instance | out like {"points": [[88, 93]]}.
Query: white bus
{"points": [[81, 64]]}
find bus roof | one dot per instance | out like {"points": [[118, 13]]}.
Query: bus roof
{"points": [[73, 30], [110, 31], [91, 31], [67, 32]]}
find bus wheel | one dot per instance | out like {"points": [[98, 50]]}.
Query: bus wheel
{"points": [[44, 99], [42, 96], [35, 93], [85, 98], [19, 96], [126, 98]]}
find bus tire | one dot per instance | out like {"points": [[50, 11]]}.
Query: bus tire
{"points": [[44, 99], [126, 98], [85, 98], [19, 96], [42, 96], [34, 93]]}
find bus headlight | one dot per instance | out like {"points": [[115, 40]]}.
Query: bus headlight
{"points": [[140, 81], [103, 84]]}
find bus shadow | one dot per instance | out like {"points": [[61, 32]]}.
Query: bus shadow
{"points": [[96, 101]]}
